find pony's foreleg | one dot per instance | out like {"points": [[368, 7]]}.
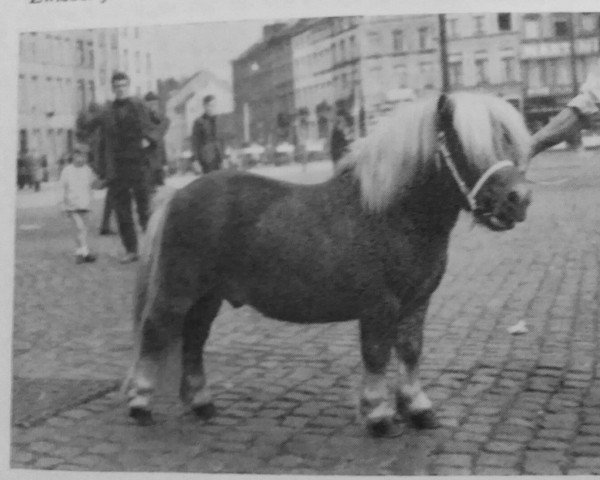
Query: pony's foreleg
{"points": [[196, 328], [410, 397], [376, 405]]}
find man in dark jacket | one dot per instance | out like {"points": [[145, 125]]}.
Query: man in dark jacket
{"points": [[156, 154], [207, 151], [339, 141], [126, 130]]}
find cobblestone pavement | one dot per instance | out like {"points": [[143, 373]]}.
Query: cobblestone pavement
{"points": [[527, 404]]}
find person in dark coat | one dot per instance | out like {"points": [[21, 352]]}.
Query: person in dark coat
{"points": [[339, 140], [126, 130], [157, 154], [205, 143], [94, 140]]}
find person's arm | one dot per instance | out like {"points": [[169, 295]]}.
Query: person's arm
{"points": [[574, 117], [568, 122], [150, 133]]}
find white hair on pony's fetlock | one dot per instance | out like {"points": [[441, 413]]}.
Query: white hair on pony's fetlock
{"points": [[402, 148]]}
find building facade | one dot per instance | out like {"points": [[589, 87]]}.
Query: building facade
{"points": [[263, 86], [62, 73], [557, 52]]}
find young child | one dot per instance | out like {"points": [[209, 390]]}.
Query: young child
{"points": [[76, 181]]}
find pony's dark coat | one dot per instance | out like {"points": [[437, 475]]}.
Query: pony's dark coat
{"points": [[321, 253]]}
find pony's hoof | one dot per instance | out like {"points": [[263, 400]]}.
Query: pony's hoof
{"points": [[423, 420], [205, 411], [385, 428], [142, 416]]}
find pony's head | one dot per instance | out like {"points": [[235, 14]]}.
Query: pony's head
{"points": [[479, 143]]}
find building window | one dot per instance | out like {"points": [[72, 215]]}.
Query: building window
{"points": [[426, 69], [353, 53], [92, 88], [136, 32], [509, 69], [481, 67], [138, 67], [561, 28], [342, 51], [61, 95], [33, 46], [91, 56], [479, 25], [423, 38], [80, 53], [375, 42], [452, 28], [398, 41], [148, 64], [102, 38], [532, 27], [588, 23], [334, 54], [400, 74], [455, 73], [67, 58], [22, 94], [80, 95], [504, 22], [126, 61]]}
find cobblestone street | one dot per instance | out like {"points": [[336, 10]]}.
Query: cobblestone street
{"points": [[507, 404]]}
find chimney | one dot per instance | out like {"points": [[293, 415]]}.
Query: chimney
{"points": [[269, 31]]}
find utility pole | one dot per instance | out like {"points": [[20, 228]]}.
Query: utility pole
{"points": [[574, 80], [444, 53]]}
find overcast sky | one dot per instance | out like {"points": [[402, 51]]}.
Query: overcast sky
{"points": [[181, 50]]}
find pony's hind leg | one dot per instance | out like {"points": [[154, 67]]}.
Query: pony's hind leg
{"points": [[410, 397], [155, 335], [196, 328], [375, 403]]}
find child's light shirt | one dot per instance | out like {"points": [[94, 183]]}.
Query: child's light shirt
{"points": [[76, 185]]}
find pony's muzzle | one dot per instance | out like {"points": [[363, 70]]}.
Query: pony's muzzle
{"points": [[518, 199]]}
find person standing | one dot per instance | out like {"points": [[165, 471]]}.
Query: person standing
{"points": [[157, 154], [76, 181], [339, 138], [205, 143], [569, 122], [125, 131]]}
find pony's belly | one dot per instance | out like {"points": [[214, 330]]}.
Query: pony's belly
{"points": [[297, 307]]}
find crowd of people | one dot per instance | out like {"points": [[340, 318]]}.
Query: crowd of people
{"points": [[120, 147]]}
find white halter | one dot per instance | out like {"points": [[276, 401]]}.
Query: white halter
{"points": [[462, 186]]}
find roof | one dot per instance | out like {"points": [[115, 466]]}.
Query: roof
{"points": [[285, 33], [205, 76]]}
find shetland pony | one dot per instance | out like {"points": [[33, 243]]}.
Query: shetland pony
{"points": [[370, 244]]}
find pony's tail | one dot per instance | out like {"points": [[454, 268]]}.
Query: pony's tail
{"points": [[148, 274]]}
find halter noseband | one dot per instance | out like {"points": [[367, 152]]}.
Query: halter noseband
{"points": [[462, 186]]}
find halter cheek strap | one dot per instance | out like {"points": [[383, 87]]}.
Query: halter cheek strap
{"points": [[462, 186]]}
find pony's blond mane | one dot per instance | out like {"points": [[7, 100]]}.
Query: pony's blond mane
{"points": [[403, 147]]}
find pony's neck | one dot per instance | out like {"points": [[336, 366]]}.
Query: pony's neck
{"points": [[432, 205]]}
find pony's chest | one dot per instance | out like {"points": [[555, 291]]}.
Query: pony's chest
{"points": [[415, 270]]}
